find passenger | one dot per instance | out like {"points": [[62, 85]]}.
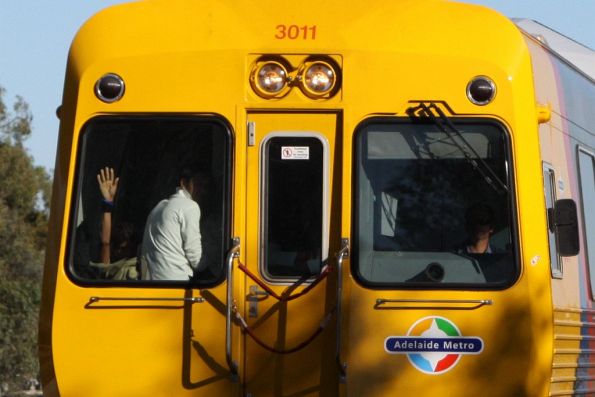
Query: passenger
{"points": [[118, 252], [479, 221], [172, 248]]}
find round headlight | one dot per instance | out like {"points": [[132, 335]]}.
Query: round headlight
{"points": [[481, 90], [109, 88], [270, 78], [319, 78]]}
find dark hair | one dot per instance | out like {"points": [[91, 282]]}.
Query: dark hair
{"points": [[123, 241], [186, 174], [479, 214], [122, 232]]}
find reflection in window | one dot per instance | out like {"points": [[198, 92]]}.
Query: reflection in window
{"points": [[433, 209], [147, 156], [293, 202]]}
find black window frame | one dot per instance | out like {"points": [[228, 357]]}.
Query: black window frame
{"points": [[78, 176], [514, 227]]}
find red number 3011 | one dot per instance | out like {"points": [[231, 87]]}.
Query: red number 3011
{"points": [[295, 32]]}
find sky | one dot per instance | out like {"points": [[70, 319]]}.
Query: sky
{"points": [[35, 36]]}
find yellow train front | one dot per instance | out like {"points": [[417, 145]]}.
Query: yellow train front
{"points": [[354, 158]]}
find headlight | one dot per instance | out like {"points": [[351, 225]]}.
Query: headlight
{"points": [[269, 79], [318, 79]]}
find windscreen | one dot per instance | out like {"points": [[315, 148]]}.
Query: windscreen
{"points": [[151, 201], [433, 209]]}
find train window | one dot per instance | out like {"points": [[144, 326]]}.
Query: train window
{"points": [[149, 156], [586, 163], [549, 182], [294, 218], [433, 209]]}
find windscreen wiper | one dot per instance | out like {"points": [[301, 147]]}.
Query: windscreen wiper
{"points": [[471, 156]]}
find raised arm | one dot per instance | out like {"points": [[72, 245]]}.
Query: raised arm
{"points": [[108, 185]]}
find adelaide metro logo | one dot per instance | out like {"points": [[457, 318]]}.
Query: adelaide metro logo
{"points": [[433, 345]]}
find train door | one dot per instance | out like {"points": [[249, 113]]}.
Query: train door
{"points": [[433, 262], [290, 238]]}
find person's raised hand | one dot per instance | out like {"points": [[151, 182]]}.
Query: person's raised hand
{"points": [[108, 183]]}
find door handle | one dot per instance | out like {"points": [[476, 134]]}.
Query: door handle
{"points": [[255, 295]]}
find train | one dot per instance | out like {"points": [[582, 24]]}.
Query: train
{"points": [[390, 198]]}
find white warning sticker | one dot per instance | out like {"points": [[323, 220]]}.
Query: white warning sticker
{"points": [[295, 153]]}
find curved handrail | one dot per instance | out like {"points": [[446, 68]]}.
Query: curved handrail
{"points": [[233, 253]]}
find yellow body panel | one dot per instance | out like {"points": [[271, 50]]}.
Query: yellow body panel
{"points": [[195, 58]]}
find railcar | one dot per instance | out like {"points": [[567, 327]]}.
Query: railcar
{"points": [[352, 155]]}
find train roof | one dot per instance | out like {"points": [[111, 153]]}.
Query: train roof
{"points": [[577, 54], [407, 26]]}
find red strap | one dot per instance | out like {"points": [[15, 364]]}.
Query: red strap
{"points": [[283, 297], [258, 281], [300, 346], [283, 351]]}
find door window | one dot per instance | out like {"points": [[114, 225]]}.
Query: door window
{"points": [[294, 205]]}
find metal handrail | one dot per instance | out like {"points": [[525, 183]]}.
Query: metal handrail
{"points": [[233, 253], [453, 304], [342, 254], [194, 299]]}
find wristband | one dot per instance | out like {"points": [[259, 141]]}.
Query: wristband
{"points": [[107, 206]]}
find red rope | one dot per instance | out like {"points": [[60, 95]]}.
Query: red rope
{"points": [[300, 346], [285, 298]]}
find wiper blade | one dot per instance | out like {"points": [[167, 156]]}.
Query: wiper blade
{"points": [[445, 125]]}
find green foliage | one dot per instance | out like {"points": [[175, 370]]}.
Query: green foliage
{"points": [[18, 336], [24, 200], [16, 126]]}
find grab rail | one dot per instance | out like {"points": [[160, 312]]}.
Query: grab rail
{"points": [[194, 299], [233, 253], [452, 304], [342, 254]]}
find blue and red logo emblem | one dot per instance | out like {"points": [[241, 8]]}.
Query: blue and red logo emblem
{"points": [[433, 345]]}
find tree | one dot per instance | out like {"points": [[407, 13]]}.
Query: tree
{"points": [[24, 206]]}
